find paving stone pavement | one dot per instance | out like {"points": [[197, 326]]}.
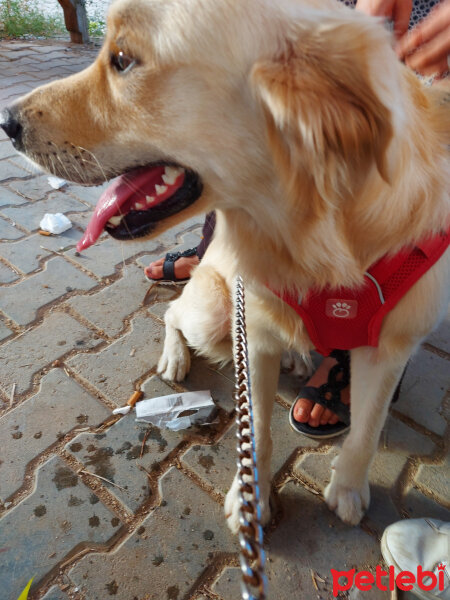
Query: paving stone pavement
{"points": [[96, 507]]}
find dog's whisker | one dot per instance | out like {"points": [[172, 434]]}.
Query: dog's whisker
{"points": [[53, 169], [96, 161], [73, 164], [64, 166]]}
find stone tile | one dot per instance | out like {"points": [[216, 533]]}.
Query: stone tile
{"points": [[53, 49], [90, 194], [167, 553], [7, 149], [29, 430], [7, 197], [28, 353], [28, 253], [423, 390], [441, 336], [115, 455], [29, 216], [398, 443], [187, 240], [8, 170], [159, 309], [8, 231], [217, 464], [7, 275], [21, 301], [10, 80], [32, 189], [228, 584], [55, 593], [112, 370], [417, 506], [108, 308], [436, 478], [205, 376], [14, 92], [4, 331], [60, 514], [104, 256], [25, 164], [309, 537]]}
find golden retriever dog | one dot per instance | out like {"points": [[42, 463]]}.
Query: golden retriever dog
{"points": [[320, 152]]}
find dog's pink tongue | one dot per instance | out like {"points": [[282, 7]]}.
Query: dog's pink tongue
{"points": [[135, 183], [108, 205]]}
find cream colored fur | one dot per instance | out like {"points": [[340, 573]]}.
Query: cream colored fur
{"points": [[320, 153]]}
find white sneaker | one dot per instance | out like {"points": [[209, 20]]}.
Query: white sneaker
{"points": [[418, 545]]}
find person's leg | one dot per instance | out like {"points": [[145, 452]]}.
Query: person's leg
{"points": [[207, 232], [183, 265]]}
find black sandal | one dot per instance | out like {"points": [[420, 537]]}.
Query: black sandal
{"points": [[329, 396], [169, 265]]}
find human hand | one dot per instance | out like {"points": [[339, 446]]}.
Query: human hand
{"points": [[426, 47], [399, 11]]}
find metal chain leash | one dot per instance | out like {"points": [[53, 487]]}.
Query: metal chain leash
{"points": [[252, 555]]}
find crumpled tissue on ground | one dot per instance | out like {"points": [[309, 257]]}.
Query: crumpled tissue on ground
{"points": [[55, 223], [177, 411]]}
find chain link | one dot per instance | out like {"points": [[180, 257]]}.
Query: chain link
{"points": [[252, 556]]}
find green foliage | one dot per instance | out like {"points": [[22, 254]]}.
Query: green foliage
{"points": [[21, 18], [97, 28]]}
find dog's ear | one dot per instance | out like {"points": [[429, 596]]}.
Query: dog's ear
{"points": [[324, 119]]}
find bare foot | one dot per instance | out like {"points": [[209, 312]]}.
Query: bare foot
{"points": [[182, 267], [306, 411]]}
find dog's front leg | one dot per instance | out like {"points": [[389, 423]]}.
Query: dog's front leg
{"points": [[372, 385], [264, 372], [175, 361]]}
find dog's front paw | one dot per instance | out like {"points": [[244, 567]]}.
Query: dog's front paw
{"points": [[232, 508], [349, 503], [174, 363]]}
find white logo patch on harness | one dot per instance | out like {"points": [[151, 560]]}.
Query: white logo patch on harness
{"points": [[341, 309]]}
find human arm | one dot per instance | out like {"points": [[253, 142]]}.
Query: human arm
{"points": [[426, 47], [399, 11]]}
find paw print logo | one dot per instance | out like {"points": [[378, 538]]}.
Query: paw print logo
{"points": [[341, 310]]}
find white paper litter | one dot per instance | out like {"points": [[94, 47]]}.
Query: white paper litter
{"points": [[55, 223], [124, 410], [169, 411], [56, 182]]}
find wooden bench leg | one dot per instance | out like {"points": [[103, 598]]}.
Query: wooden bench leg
{"points": [[76, 21]]}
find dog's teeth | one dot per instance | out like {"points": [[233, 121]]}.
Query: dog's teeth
{"points": [[150, 200], [139, 206], [171, 174], [114, 221], [160, 189]]}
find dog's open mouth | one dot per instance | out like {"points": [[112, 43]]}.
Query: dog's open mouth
{"points": [[132, 205]]}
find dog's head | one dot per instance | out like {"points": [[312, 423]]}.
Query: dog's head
{"points": [[200, 104]]}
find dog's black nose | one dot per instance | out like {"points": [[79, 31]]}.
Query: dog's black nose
{"points": [[11, 126]]}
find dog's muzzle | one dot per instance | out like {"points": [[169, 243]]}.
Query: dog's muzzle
{"points": [[10, 124]]}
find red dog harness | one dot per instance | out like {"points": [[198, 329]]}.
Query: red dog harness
{"points": [[346, 318]]}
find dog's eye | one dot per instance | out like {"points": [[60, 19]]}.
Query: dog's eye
{"points": [[121, 62]]}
